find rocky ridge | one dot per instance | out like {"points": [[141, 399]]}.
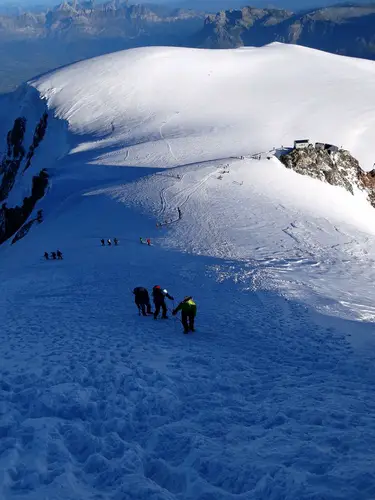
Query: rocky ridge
{"points": [[338, 168], [15, 162]]}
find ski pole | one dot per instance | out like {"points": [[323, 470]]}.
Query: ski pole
{"points": [[175, 316]]}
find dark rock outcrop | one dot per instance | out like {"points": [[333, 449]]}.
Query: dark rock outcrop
{"points": [[24, 230], [39, 133], [338, 169], [368, 181], [12, 160], [15, 138], [13, 218]]}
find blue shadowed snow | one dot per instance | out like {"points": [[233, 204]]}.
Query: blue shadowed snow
{"points": [[267, 400]]}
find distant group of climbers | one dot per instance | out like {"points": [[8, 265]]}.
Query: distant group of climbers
{"points": [[109, 242], [54, 255], [187, 306], [116, 241]]}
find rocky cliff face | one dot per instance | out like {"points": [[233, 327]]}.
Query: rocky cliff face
{"points": [[16, 161], [235, 28], [339, 169], [340, 29]]}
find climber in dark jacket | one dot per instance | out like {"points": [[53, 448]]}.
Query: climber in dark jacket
{"points": [[142, 300], [159, 300]]}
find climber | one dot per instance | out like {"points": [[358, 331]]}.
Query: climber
{"points": [[53, 255], [109, 242], [46, 255], [188, 310], [102, 242], [148, 241], [115, 241], [59, 255], [159, 300], [142, 300], [141, 239]]}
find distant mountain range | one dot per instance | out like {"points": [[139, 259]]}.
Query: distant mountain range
{"points": [[217, 5], [34, 42], [115, 19], [347, 30]]}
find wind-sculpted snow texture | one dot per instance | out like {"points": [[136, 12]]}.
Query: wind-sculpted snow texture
{"points": [[272, 398]]}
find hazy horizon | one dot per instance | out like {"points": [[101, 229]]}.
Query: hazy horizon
{"points": [[196, 4]]}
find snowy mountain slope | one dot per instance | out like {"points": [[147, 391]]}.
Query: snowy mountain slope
{"points": [[300, 231], [268, 399], [189, 105], [272, 396]]}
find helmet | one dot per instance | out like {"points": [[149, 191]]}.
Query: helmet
{"points": [[156, 286]]}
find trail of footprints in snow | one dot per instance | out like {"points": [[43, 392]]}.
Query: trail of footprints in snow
{"points": [[120, 426]]}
